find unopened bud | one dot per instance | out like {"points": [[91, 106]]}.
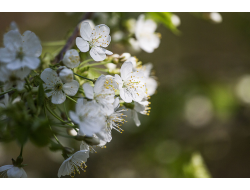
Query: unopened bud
{"points": [[19, 160], [125, 56], [71, 58]]}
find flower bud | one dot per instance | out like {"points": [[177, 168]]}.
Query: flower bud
{"points": [[66, 75], [125, 56], [71, 58]]}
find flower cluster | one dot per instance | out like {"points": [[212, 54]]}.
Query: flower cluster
{"points": [[100, 102]]}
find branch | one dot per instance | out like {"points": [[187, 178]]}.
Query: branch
{"points": [[71, 39]]}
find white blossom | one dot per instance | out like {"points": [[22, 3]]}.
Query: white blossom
{"points": [[65, 74], [58, 89], [131, 84], [145, 34], [175, 19], [71, 58], [93, 39], [85, 146], [215, 17], [72, 164], [20, 51], [13, 78], [102, 93], [88, 116], [11, 171]]}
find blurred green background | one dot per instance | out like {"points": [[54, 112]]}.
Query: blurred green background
{"points": [[199, 124]]}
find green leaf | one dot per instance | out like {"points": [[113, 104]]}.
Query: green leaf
{"points": [[164, 18]]}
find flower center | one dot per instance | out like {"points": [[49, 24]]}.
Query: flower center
{"points": [[20, 54], [58, 86]]}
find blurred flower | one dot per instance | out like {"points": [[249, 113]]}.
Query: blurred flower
{"points": [[71, 58], [13, 78], [102, 93], [198, 111], [73, 163], [99, 36], [145, 34], [12, 172], [117, 36], [243, 88], [215, 17], [65, 74], [175, 20], [58, 89], [88, 116], [130, 24], [131, 84], [21, 51]]}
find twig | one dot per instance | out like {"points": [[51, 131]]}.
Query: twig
{"points": [[70, 42]]}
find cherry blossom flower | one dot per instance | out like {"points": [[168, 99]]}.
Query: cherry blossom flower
{"points": [[102, 93], [12, 172], [95, 39], [71, 58], [131, 84], [20, 51], [145, 34], [58, 89], [88, 116], [72, 164], [13, 78]]}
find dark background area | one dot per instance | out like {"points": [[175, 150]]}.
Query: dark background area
{"points": [[201, 106]]}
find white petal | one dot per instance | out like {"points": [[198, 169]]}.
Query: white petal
{"points": [[116, 103], [22, 73], [6, 55], [6, 167], [15, 64], [99, 84], [84, 146], [151, 85], [30, 62], [91, 126], [74, 117], [126, 96], [58, 97], [24, 175], [66, 75], [138, 95], [86, 31], [82, 44], [149, 43], [136, 119], [88, 90], [14, 172], [50, 77], [126, 70], [139, 107], [118, 80], [105, 41], [12, 40], [107, 52], [71, 88], [20, 85], [63, 168], [97, 53], [31, 44]]}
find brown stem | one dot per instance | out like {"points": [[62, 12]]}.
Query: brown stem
{"points": [[71, 40]]}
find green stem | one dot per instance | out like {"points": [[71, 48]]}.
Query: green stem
{"points": [[57, 140], [86, 61], [21, 152], [84, 77], [55, 43], [28, 83], [66, 111], [7, 91], [95, 64], [71, 99]]}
